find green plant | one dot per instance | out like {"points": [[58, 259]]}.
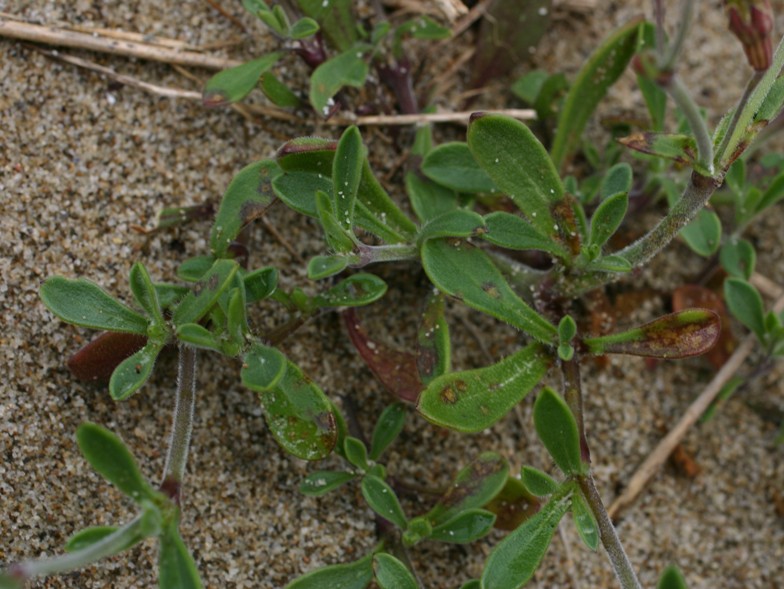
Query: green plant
{"points": [[321, 28], [463, 233]]}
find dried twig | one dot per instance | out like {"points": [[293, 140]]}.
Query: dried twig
{"points": [[524, 114], [123, 79], [653, 463], [113, 44]]}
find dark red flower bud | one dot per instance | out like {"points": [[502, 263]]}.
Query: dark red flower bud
{"points": [[751, 21]]}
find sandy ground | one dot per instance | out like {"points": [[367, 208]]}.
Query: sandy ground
{"points": [[82, 160]]}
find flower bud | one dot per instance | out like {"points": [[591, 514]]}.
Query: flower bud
{"points": [[751, 21]]}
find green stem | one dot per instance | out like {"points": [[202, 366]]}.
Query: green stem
{"points": [[752, 84], [692, 201], [681, 96], [370, 254], [612, 544], [110, 545], [609, 537], [737, 138], [675, 48], [179, 444], [573, 396]]}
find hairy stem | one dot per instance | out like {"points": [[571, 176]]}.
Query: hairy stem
{"points": [[678, 92], [684, 24], [739, 136], [693, 199], [750, 87], [574, 398], [180, 440], [609, 537], [612, 544], [639, 253], [110, 545]]}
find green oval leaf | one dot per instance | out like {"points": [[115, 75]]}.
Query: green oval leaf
{"points": [[738, 258], [745, 304], [585, 522], [703, 234], [687, 333], [484, 288], [597, 75], [355, 452], [197, 336], [107, 454], [519, 165], [616, 179], [474, 486], [304, 27], [557, 429], [297, 412], [321, 482], [89, 536], [473, 400], [260, 284], [608, 218], [83, 303], [131, 374], [320, 267], [466, 527], [346, 69], [355, 575], [192, 269], [355, 291], [262, 367], [459, 223], [382, 499], [339, 237], [176, 568], [452, 165], [245, 200], [428, 199], [278, 93], [434, 349], [145, 294], [391, 573], [234, 84], [514, 561], [513, 232], [346, 175], [537, 482], [387, 429], [672, 578], [197, 303]]}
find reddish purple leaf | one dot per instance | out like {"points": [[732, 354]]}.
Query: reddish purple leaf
{"points": [[397, 370], [690, 296], [513, 505], [678, 335], [97, 360]]}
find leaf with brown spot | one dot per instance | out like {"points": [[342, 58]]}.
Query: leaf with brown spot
{"points": [[395, 369], [679, 148], [472, 400], [687, 333], [513, 505], [695, 296], [246, 199], [473, 487]]}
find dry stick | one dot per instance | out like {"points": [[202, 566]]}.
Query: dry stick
{"points": [[96, 42], [127, 80], [653, 463], [524, 114]]}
